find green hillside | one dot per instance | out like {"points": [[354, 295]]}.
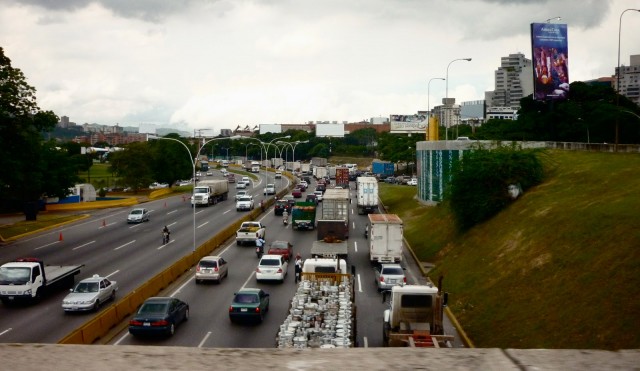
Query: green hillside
{"points": [[560, 268]]}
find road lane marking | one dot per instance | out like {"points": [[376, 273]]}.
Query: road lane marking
{"points": [[203, 224], [112, 273], [172, 211], [161, 246], [204, 340], [359, 284], [88, 243], [182, 286], [366, 342], [5, 331], [247, 281], [354, 225], [121, 246], [49, 244], [122, 338], [226, 212], [355, 246]]}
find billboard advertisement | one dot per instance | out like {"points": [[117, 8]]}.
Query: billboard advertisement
{"points": [[408, 124], [330, 130], [550, 56]]}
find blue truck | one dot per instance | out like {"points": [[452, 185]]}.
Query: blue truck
{"points": [[382, 169]]}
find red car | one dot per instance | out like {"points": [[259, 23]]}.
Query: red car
{"points": [[297, 193], [283, 248]]}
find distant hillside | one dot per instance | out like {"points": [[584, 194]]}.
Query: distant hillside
{"points": [[560, 268]]}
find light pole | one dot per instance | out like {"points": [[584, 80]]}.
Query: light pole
{"points": [[446, 128], [553, 19], [293, 148], [428, 102], [618, 74], [193, 163], [265, 147]]}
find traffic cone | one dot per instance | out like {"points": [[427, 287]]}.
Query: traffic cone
{"points": [[60, 238], [104, 224], [165, 204]]}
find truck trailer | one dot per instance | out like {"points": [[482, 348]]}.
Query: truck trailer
{"points": [[385, 238], [367, 190], [210, 192], [342, 177], [334, 217], [382, 169], [303, 215]]}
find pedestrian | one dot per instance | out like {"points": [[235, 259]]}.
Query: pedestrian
{"points": [[298, 268], [261, 205]]}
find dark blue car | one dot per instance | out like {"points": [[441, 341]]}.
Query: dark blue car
{"points": [[159, 316]]}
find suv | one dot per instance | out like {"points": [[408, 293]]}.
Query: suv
{"points": [[244, 203], [270, 189]]}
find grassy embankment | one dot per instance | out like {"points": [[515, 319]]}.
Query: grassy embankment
{"points": [[559, 268]]}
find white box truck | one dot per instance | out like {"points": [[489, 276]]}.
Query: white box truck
{"points": [[385, 238], [367, 189]]}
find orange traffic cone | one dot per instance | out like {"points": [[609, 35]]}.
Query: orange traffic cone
{"points": [[60, 238]]}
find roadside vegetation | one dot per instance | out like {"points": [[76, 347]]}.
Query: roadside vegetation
{"points": [[558, 268]]}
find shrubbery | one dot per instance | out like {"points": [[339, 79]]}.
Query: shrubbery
{"points": [[480, 182]]}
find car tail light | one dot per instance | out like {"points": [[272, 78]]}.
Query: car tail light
{"points": [[257, 270], [215, 269], [160, 323], [135, 323], [230, 309], [279, 270], [381, 278], [258, 310], [198, 269], [404, 279]]}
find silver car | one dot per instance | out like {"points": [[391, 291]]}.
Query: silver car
{"points": [[389, 275], [211, 268], [138, 215], [89, 294]]}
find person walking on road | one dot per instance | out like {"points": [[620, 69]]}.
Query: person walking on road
{"points": [[298, 268]]}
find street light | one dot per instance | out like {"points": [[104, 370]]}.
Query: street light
{"points": [[553, 19], [193, 163], [265, 147], [447, 93], [618, 73], [246, 146], [293, 147], [428, 97]]}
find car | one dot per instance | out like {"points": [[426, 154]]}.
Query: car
{"points": [[321, 187], [272, 268], [390, 180], [296, 193], [211, 268], [246, 181], [209, 173], [280, 206], [198, 173], [463, 138], [249, 304], [138, 215], [413, 182], [301, 187], [319, 195], [278, 175], [389, 275], [312, 198], [241, 185], [283, 248], [270, 189], [231, 178], [245, 203], [224, 172], [159, 316], [89, 294], [304, 183], [240, 194]]}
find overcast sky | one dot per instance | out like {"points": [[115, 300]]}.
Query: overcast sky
{"points": [[212, 64]]}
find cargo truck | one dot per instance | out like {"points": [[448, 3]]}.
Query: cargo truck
{"points": [[367, 190], [415, 317], [385, 238], [305, 169], [318, 161], [28, 279], [324, 298], [303, 215], [382, 169], [334, 217], [210, 192], [320, 172], [331, 172], [342, 177]]}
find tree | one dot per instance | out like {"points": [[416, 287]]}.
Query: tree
{"points": [[28, 173], [133, 165], [170, 160]]}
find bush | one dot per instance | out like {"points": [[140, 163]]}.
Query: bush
{"points": [[480, 182]]}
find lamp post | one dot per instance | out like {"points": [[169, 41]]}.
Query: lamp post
{"points": [[618, 74], [265, 147], [293, 147], [553, 19], [193, 163], [446, 128], [428, 98]]}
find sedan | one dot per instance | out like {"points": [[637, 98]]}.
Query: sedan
{"points": [[241, 185], [159, 315], [297, 193], [138, 215], [389, 275], [283, 248], [249, 304], [272, 268], [89, 294], [319, 195], [239, 194], [211, 268]]}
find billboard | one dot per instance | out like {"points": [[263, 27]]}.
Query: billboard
{"points": [[550, 56], [408, 124], [270, 128], [330, 130]]}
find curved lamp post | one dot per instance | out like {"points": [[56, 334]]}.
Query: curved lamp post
{"points": [[618, 73], [447, 93], [193, 163], [428, 102], [265, 147]]}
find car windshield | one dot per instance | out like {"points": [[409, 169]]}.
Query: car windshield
{"points": [[245, 198], [14, 275], [279, 245], [84, 287], [153, 308], [136, 212], [208, 264], [392, 271], [245, 298], [201, 190], [270, 262]]}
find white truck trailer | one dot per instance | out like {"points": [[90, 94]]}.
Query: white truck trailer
{"points": [[385, 238], [210, 192], [367, 190]]}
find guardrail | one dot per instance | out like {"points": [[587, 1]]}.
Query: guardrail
{"points": [[113, 315]]}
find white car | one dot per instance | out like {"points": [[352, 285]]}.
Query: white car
{"points": [[413, 182], [240, 194], [241, 185], [319, 195], [246, 181], [138, 215], [89, 294], [278, 175], [244, 203], [211, 268], [272, 268], [270, 189]]}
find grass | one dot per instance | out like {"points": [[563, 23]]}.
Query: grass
{"points": [[44, 221], [559, 268]]}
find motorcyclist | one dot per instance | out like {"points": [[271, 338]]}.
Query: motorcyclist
{"points": [[259, 246], [165, 234], [285, 217], [366, 231]]}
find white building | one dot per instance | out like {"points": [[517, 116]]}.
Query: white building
{"points": [[629, 80], [513, 81]]}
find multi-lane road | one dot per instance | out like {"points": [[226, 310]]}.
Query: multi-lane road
{"points": [[131, 254]]}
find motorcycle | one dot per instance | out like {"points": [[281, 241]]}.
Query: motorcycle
{"points": [[285, 221], [259, 251], [165, 238]]}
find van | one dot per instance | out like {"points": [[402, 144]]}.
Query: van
{"points": [[225, 163]]}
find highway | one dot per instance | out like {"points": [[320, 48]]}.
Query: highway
{"points": [[131, 254]]}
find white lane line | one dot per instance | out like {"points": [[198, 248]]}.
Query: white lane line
{"points": [[203, 224], [354, 225], [187, 282], [172, 211], [366, 342], [359, 284], [88, 243], [112, 273], [204, 340], [5, 331], [226, 211], [247, 281], [161, 246], [49, 244], [126, 244], [355, 246], [122, 338]]}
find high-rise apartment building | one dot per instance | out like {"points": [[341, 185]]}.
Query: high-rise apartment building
{"points": [[629, 80], [513, 81]]}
